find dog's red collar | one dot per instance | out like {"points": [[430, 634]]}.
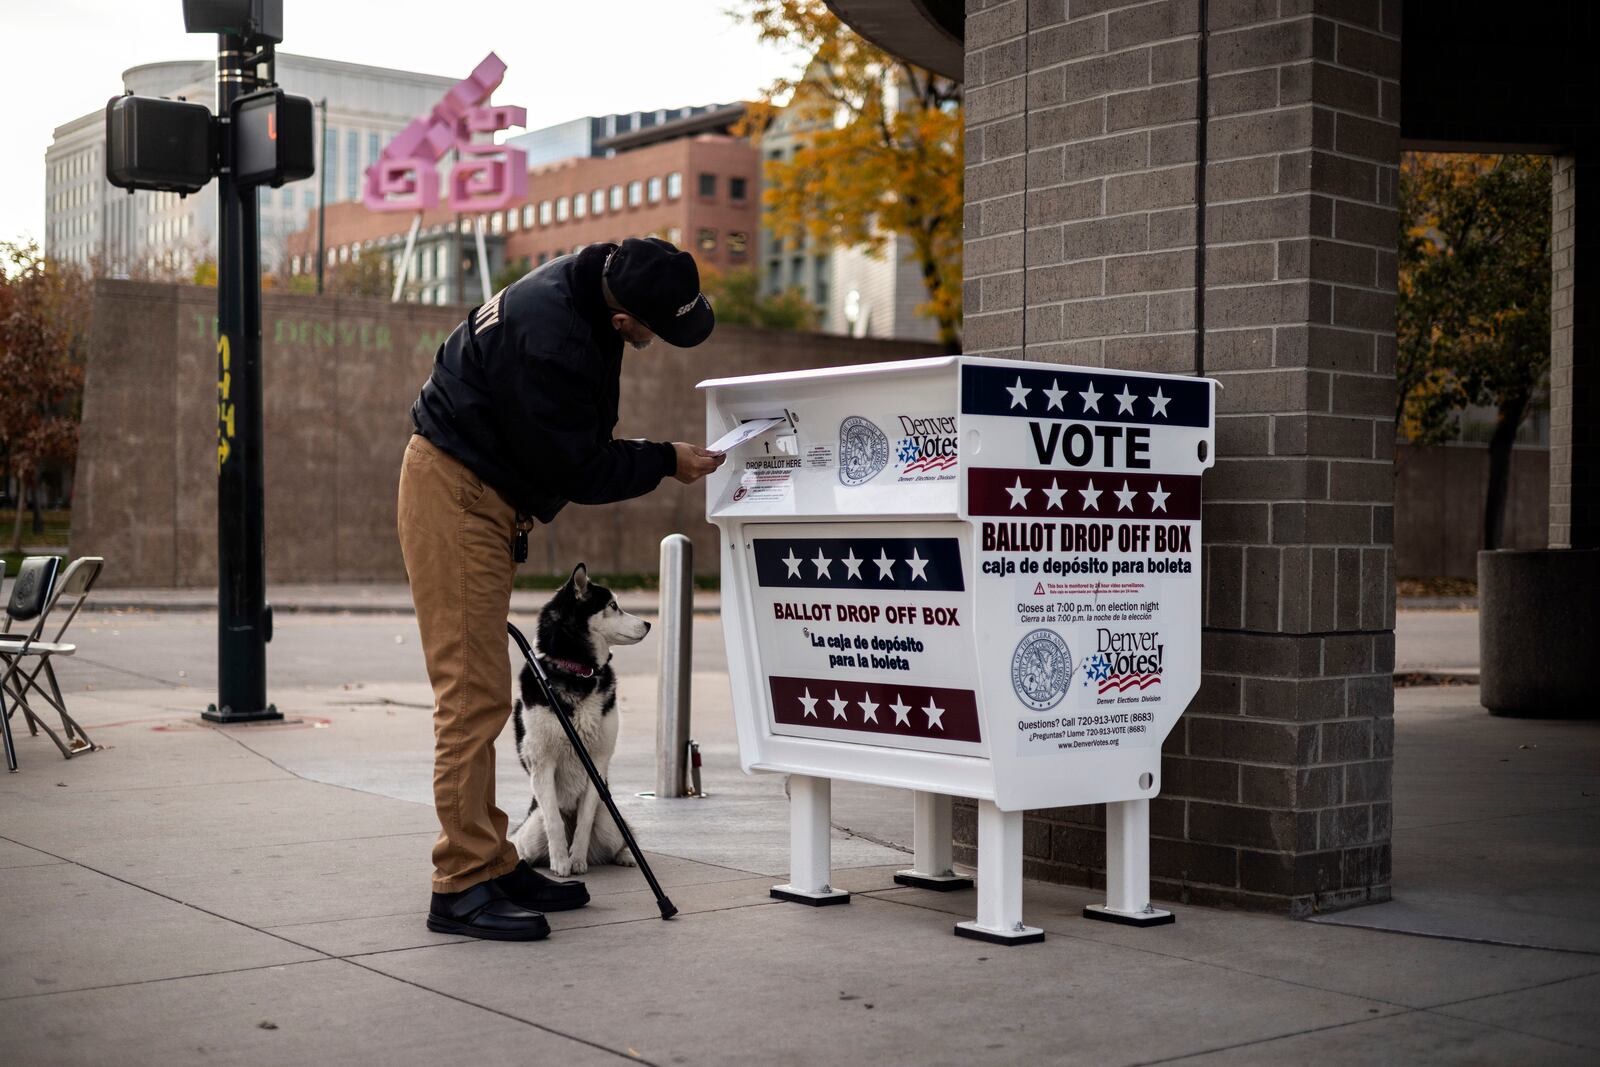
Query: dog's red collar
{"points": [[569, 666]]}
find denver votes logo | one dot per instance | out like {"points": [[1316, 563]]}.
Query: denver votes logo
{"points": [[1041, 669], [863, 451]]}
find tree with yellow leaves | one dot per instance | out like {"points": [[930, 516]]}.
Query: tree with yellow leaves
{"points": [[1474, 311], [880, 150]]}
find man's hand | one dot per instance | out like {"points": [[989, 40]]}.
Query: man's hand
{"points": [[694, 462]]}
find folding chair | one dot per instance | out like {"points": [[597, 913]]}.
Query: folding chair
{"points": [[5, 712], [34, 595]]}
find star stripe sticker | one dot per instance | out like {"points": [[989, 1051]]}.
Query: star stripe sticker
{"points": [[902, 711], [1019, 394], [885, 564], [1124, 497], [839, 706], [934, 713], [1091, 399], [1055, 493], [1158, 499], [1091, 496], [822, 563], [1125, 401], [810, 703], [1019, 494], [1055, 393], [1158, 404], [852, 565], [918, 565], [869, 708], [793, 563]]}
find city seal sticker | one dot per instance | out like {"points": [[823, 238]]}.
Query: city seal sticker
{"points": [[1041, 669], [863, 451]]}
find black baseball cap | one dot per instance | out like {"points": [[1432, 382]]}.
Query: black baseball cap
{"points": [[659, 285]]}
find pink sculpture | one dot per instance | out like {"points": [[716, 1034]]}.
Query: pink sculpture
{"points": [[487, 177]]}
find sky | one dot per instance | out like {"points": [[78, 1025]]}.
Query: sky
{"points": [[65, 58]]}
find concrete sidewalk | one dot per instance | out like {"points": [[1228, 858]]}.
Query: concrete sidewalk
{"points": [[254, 895]]}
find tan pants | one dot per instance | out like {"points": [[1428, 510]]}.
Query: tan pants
{"points": [[456, 535]]}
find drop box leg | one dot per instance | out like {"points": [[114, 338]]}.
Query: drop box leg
{"points": [[930, 835], [810, 800], [1128, 868], [999, 881]]}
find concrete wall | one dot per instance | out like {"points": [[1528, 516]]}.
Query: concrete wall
{"points": [[1081, 238], [340, 376], [1438, 507]]}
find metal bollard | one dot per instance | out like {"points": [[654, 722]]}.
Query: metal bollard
{"points": [[677, 646]]}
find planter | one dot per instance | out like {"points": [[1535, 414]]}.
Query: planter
{"points": [[1539, 632]]}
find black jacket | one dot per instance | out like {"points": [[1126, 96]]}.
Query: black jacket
{"points": [[524, 392]]}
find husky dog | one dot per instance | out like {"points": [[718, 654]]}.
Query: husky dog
{"points": [[576, 631]]}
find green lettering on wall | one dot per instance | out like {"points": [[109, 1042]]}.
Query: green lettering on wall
{"points": [[383, 339], [429, 341], [322, 334]]}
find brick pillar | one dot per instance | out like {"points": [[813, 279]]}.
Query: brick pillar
{"points": [[1574, 363], [1081, 226]]}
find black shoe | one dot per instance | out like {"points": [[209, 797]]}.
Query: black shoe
{"points": [[485, 911], [534, 891]]}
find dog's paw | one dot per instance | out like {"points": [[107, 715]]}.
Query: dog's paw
{"points": [[623, 858], [579, 864], [561, 868]]}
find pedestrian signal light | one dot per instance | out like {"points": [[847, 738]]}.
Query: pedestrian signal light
{"points": [[162, 145], [272, 138]]}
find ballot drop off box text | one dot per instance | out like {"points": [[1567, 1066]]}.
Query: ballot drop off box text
{"points": [[964, 577]]}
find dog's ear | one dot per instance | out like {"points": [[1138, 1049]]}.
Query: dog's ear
{"points": [[580, 580]]}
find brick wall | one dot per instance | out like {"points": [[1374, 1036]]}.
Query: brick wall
{"points": [[1081, 235]]}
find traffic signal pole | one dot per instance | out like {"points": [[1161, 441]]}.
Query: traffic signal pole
{"points": [[244, 621]]}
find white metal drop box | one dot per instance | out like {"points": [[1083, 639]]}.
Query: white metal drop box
{"points": [[964, 577]]}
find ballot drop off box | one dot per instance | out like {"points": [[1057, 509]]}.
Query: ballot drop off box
{"points": [[965, 577]]}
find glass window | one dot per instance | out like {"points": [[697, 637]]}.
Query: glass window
{"points": [[708, 185], [707, 240], [352, 163], [542, 258], [616, 198], [561, 209], [511, 221], [797, 272], [737, 188], [738, 243], [635, 193], [774, 275], [674, 185], [527, 216], [544, 213], [655, 190], [286, 198], [439, 254], [308, 200], [674, 236], [580, 206], [494, 223], [820, 272], [597, 202]]}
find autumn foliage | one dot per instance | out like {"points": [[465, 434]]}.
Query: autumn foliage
{"points": [[880, 150], [1474, 311], [43, 316]]}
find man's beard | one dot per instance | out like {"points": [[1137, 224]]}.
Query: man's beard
{"points": [[640, 346]]}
